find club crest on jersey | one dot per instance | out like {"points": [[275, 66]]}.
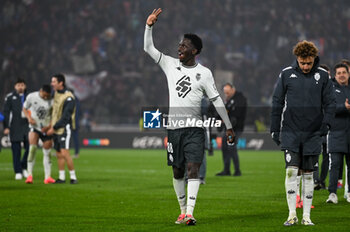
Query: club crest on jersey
{"points": [[317, 77], [183, 86], [198, 76]]}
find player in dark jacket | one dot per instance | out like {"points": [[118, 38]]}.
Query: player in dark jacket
{"points": [[302, 107], [339, 135], [16, 125]]}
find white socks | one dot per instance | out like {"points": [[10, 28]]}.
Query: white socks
{"points": [[31, 159], [62, 175], [291, 189], [192, 191], [47, 162], [179, 187], [72, 175], [308, 192]]}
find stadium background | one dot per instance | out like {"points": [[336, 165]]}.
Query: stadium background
{"points": [[99, 45]]}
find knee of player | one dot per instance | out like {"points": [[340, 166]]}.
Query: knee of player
{"points": [[291, 171], [178, 173], [193, 170]]}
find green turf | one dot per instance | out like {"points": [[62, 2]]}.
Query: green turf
{"points": [[131, 190]]}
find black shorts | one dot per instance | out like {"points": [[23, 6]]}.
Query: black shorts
{"points": [[185, 145], [62, 141], [303, 162], [42, 136]]}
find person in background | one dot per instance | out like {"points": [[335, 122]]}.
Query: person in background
{"points": [[16, 125], [75, 132], [37, 108], [339, 135], [62, 123], [236, 106], [320, 178]]}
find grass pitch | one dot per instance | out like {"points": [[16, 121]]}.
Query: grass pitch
{"points": [[131, 190]]}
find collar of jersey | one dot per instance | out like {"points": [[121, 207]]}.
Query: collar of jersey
{"points": [[185, 66], [62, 90]]}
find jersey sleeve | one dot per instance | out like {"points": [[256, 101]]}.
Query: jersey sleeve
{"points": [[28, 102], [278, 102], [210, 87], [167, 63]]}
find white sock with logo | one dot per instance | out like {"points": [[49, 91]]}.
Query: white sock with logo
{"points": [[47, 162], [308, 193], [291, 189], [179, 187], [192, 191], [62, 175]]}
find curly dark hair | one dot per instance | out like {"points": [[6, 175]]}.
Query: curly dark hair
{"points": [[305, 49]]}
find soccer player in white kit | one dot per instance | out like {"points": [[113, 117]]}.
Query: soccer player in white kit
{"points": [[188, 82], [37, 108]]}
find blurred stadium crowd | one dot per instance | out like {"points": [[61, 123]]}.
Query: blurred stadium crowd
{"points": [[252, 39]]}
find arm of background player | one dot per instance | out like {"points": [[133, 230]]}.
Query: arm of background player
{"points": [[7, 110], [277, 105], [28, 116], [26, 105], [68, 109], [329, 102], [148, 45]]}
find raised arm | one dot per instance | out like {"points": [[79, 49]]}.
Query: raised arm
{"points": [[148, 45]]}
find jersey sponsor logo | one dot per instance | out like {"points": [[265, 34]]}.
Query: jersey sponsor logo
{"points": [[183, 86], [41, 112], [151, 119]]}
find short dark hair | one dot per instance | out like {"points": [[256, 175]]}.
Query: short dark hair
{"points": [[60, 78], [228, 84], [20, 80], [340, 65], [325, 67], [46, 88], [196, 41], [345, 61]]}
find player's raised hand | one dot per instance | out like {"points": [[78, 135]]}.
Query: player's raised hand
{"points": [[152, 18]]}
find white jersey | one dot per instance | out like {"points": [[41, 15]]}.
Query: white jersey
{"points": [[187, 86], [40, 110]]}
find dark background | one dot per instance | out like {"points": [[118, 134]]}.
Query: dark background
{"points": [[253, 39]]}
